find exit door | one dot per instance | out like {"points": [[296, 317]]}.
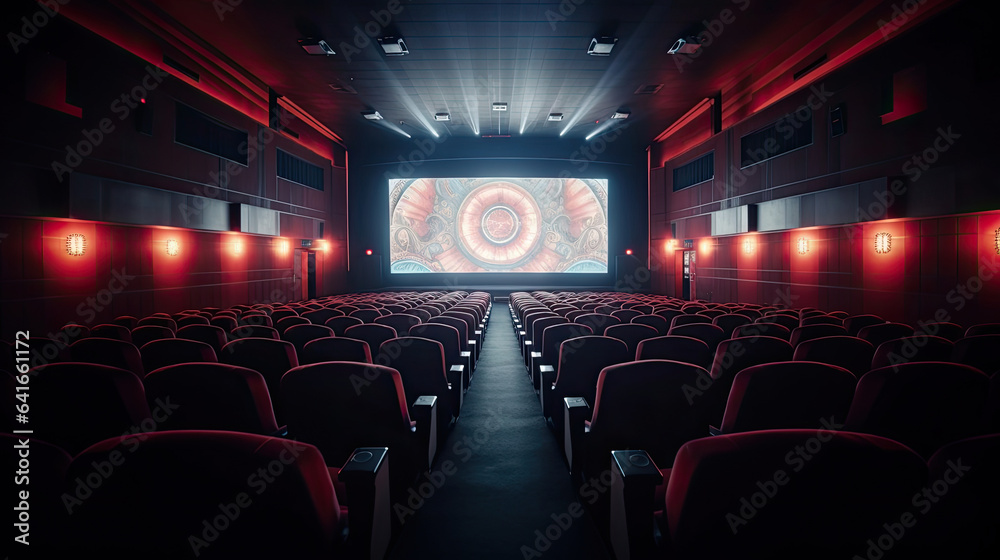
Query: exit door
{"points": [[688, 275], [305, 273]]}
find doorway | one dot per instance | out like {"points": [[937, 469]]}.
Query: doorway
{"points": [[688, 281]]}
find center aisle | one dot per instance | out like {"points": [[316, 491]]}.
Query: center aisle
{"points": [[499, 487]]}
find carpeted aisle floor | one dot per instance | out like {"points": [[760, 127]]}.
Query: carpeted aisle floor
{"points": [[499, 488]]}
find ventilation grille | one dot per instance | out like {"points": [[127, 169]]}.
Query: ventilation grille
{"points": [[201, 132], [790, 132], [299, 171], [694, 172]]}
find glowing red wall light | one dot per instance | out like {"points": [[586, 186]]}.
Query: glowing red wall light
{"points": [[368, 252], [628, 251]]}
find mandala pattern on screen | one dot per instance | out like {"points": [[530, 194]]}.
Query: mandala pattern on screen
{"points": [[498, 225]]}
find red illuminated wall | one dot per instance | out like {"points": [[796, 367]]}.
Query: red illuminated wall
{"points": [[41, 287], [944, 225]]}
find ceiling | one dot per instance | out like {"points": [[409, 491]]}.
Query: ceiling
{"points": [[464, 56]]}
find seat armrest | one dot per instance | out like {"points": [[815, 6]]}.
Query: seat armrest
{"points": [[465, 360], [576, 413], [456, 379], [713, 431], [633, 490], [546, 375], [366, 477], [474, 348], [424, 411], [536, 358]]}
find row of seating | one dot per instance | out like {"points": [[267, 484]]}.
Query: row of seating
{"points": [[345, 403], [664, 393]]}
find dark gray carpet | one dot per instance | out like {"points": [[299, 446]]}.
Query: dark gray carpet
{"points": [[509, 484]]}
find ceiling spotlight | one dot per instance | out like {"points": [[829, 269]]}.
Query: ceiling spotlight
{"points": [[601, 46], [555, 117], [393, 46], [685, 45], [315, 46], [499, 106], [372, 115], [621, 114], [442, 117]]}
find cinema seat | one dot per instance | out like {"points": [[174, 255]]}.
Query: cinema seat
{"points": [[209, 334], [373, 334], [212, 396], [366, 315], [300, 335], [733, 356], [631, 335], [763, 329], [127, 321], [978, 351], [877, 334], [341, 324], [76, 404], [681, 320], [659, 323], [810, 332], [422, 367], [211, 500], [115, 332], [704, 514], [533, 342], [597, 321], [789, 394], [282, 313], [400, 322], [321, 316], [918, 348], [255, 319], [159, 321], [730, 321], [224, 322], [707, 333], [544, 367], [982, 329], [191, 320], [677, 348], [625, 315], [949, 331], [848, 352], [271, 358], [923, 405], [170, 351], [964, 520], [325, 409], [335, 349], [637, 405], [581, 360], [787, 321], [285, 323], [149, 333], [451, 342], [109, 352], [254, 331]]}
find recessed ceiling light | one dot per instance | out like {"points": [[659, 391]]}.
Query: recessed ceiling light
{"points": [[499, 106], [315, 46], [685, 45], [372, 115], [393, 46], [621, 115], [442, 117], [601, 46], [555, 116]]}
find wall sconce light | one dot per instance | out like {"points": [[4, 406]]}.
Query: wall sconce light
{"points": [[76, 244], [883, 242], [237, 248], [748, 246], [803, 245], [996, 241], [283, 247], [671, 245], [173, 247]]}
